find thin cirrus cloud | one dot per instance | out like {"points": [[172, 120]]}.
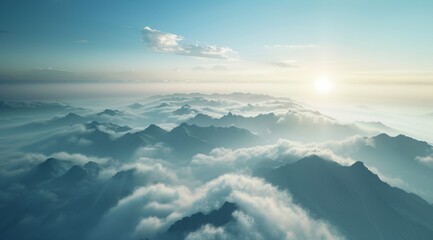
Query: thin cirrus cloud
{"points": [[171, 43], [285, 64], [295, 46]]}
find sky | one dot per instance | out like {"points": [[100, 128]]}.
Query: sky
{"points": [[369, 52]]}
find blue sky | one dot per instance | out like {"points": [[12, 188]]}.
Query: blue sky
{"points": [[350, 42]]}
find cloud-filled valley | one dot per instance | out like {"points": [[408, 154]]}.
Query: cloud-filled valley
{"points": [[207, 166]]}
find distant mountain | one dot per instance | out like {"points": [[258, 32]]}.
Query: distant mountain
{"points": [[76, 193], [185, 140], [188, 140], [236, 96], [110, 112], [355, 200], [376, 127], [396, 157], [162, 105], [34, 108], [185, 109], [229, 137], [46, 171], [95, 141], [220, 217], [56, 122], [108, 126], [135, 106], [307, 126]]}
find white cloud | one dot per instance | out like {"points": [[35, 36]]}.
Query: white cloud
{"points": [[264, 212], [172, 43], [285, 64], [426, 160], [245, 160], [296, 46]]}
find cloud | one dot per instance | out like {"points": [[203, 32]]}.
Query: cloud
{"points": [[264, 212], [216, 68], [296, 46], [246, 160], [82, 41], [425, 160], [285, 64], [172, 43]]}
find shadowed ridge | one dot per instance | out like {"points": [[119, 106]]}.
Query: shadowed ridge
{"points": [[192, 223], [338, 193]]}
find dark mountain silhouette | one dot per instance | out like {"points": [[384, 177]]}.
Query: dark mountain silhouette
{"points": [[77, 194], [185, 140], [46, 171], [135, 106], [294, 125], [35, 108], [154, 131], [56, 122], [185, 109], [355, 200], [110, 126], [188, 140], [395, 157], [162, 105], [376, 126], [217, 218], [110, 112]]}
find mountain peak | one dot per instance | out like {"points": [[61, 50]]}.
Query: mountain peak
{"points": [[358, 165], [313, 160], [153, 129], [217, 218], [69, 115], [110, 112]]}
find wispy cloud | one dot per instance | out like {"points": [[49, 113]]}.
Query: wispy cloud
{"points": [[217, 68], [285, 64], [82, 41], [172, 43], [294, 46]]}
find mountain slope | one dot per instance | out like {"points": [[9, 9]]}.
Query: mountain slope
{"points": [[355, 200], [396, 157], [304, 126], [186, 225]]}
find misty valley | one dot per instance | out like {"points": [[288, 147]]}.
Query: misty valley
{"points": [[207, 166]]}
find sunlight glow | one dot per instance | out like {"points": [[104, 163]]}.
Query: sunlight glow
{"points": [[323, 85]]}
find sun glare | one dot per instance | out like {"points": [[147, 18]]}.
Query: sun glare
{"points": [[323, 85]]}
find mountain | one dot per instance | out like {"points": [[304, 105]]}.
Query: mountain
{"points": [[396, 157], [94, 141], [162, 105], [302, 125], [154, 131], [185, 140], [135, 106], [355, 200], [77, 194], [229, 137], [185, 109], [376, 127], [189, 140], [45, 171], [181, 228], [38, 108], [110, 112], [109, 126], [56, 122]]}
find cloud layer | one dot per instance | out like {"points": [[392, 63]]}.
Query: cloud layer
{"points": [[172, 43]]}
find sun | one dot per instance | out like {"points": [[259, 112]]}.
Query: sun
{"points": [[323, 85]]}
